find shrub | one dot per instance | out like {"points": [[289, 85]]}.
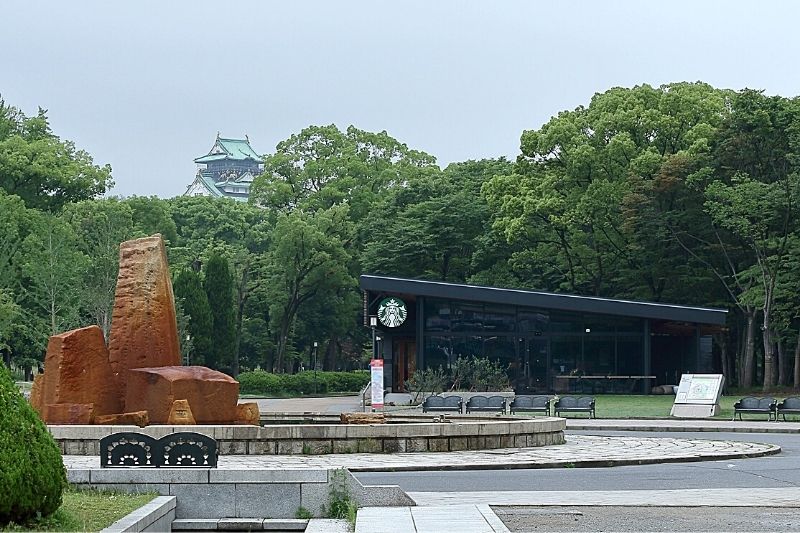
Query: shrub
{"points": [[265, 383], [32, 475]]}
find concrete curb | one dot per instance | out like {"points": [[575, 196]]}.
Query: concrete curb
{"points": [[567, 463], [614, 425], [154, 516]]}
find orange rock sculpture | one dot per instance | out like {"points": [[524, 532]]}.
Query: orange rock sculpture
{"points": [[137, 380], [137, 418], [36, 394], [69, 413], [77, 372], [248, 413], [212, 395], [180, 413], [144, 332]]}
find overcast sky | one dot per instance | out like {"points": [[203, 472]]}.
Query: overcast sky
{"points": [[146, 86]]}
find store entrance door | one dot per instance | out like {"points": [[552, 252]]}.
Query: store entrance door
{"points": [[534, 353], [404, 352]]}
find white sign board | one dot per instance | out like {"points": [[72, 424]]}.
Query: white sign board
{"points": [[698, 395], [376, 390]]}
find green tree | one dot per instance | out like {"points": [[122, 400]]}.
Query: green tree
{"points": [[100, 227], [218, 285], [32, 476], [307, 260], [189, 290], [755, 195], [51, 268], [563, 205], [40, 168]]}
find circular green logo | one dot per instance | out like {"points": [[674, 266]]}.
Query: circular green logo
{"points": [[392, 312]]}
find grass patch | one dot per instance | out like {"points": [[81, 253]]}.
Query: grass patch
{"points": [[656, 406], [88, 510]]}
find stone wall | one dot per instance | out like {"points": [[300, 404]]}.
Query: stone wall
{"points": [[465, 433]]}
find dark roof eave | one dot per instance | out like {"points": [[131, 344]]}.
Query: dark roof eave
{"points": [[562, 302]]}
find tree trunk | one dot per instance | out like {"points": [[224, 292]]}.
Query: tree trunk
{"points": [[749, 350], [769, 355], [723, 352], [797, 362], [781, 363]]}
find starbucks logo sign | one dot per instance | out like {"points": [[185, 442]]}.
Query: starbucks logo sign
{"points": [[392, 312]]}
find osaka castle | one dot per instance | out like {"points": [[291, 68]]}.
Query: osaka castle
{"points": [[227, 170]]}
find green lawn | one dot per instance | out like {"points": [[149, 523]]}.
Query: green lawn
{"points": [[87, 511], [655, 406]]}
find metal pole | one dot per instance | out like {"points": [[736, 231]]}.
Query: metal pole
{"points": [[315, 367]]}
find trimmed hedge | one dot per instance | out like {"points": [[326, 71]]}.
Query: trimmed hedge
{"points": [[267, 384], [32, 474]]}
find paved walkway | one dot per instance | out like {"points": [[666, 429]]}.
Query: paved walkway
{"points": [[579, 450], [453, 518]]}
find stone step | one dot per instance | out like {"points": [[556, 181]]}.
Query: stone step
{"points": [[275, 525]]}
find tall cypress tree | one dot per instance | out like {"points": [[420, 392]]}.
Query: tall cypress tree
{"points": [[189, 289], [218, 284]]}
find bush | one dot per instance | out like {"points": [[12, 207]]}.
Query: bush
{"points": [[302, 383], [32, 475], [475, 374]]}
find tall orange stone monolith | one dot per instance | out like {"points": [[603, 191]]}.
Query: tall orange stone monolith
{"points": [[77, 372], [144, 332]]}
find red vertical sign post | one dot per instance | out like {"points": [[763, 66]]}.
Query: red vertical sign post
{"points": [[376, 373]]}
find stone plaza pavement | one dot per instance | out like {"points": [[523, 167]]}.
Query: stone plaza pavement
{"points": [[579, 450]]}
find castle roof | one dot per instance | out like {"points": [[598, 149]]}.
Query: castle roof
{"points": [[232, 149]]}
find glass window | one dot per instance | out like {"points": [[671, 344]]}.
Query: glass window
{"points": [[630, 356], [598, 355], [566, 323], [467, 317], [438, 352], [499, 319], [565, 353], [467, 346], [629, 325], [533, 321], [599, 324], [437, 315]]}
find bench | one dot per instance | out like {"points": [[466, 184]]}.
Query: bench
{"points": [[535, 404], [183, 449], [575, 404], [489, 404], [442, 403], [753, 405], [789, 406]]}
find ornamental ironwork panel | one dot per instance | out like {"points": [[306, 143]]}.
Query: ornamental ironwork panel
{"points": [[129, 449], [176, 450], [188, 449]]}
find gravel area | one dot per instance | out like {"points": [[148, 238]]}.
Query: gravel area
{"points": [[690, 519]]}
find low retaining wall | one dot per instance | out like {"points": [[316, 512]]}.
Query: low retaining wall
{"points": [[154, 516], [408, 434], [229, 493]]}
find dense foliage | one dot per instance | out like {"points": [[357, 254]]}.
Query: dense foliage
{"points": [[680, 193], [32, 475], [308, 382]]}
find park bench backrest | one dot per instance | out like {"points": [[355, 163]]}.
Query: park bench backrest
{"points": [[452, 401], [575, 402], [528, 402], [496, 401], [434, 401], [751, 402], [792, 403], [478, 401]]}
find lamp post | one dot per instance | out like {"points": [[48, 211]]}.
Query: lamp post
{"points": [[187, 358], [315, 367], [373, 323]]}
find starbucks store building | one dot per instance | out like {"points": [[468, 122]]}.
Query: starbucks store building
{"points": [[546, 342]]}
